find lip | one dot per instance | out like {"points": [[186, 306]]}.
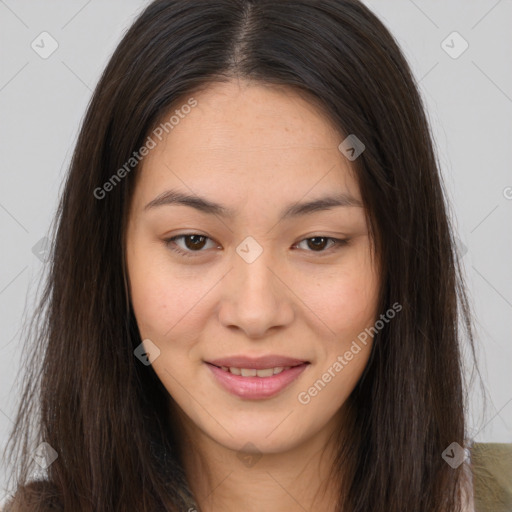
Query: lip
{"points": [[257, 363], [256, 388]]}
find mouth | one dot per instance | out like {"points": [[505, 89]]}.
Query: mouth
{"points": [[256, 378], [257, 363], [256, 372]]}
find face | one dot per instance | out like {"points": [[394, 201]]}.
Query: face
{"points": [[249, 301]]}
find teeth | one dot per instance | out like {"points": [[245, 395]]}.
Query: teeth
{"points": [[268, 372], [252, 372]]}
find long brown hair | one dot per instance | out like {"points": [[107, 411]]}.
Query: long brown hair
{"points": [[103, 412]]}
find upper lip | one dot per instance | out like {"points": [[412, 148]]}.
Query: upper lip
{"points": [[257, 363]]}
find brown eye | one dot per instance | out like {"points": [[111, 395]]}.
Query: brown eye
{"points": [[196, 241], [317, 242], [193, 243], [320, 243]]}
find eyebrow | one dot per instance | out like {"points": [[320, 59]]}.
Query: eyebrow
{"points": [[175, 197]]}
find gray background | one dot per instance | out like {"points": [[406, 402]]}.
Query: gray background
{"points": [[469, 101]]}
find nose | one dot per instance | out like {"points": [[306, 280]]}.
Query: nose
{"points": [[255, 297]]}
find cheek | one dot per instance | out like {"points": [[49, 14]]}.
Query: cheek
{"points": [[345, 298], [165, 300], [349, 306], [349, 309]]}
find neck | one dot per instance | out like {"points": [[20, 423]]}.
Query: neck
{"points": [[226, 480]]}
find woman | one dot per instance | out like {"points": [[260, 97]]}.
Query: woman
{"points": [[254, 296]]}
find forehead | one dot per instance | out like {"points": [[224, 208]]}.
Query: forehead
{"points": [[244, 139]]}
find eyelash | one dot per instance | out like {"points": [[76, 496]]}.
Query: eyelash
{"points": [[338, 243]]}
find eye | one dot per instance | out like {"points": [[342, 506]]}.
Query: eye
{"points": [[195, 243], [318, 243]]}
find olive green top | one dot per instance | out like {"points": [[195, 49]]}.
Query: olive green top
{"points": [[491, 465]]}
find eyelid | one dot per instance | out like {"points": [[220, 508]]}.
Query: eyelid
{"points": [[338, 243]]}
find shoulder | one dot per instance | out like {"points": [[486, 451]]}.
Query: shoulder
{"points": [[491, 467]]}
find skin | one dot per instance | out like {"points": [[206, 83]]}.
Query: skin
{"points": [[253, 148]]}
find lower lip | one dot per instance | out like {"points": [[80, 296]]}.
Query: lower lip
{"points": [[256, 388]]}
